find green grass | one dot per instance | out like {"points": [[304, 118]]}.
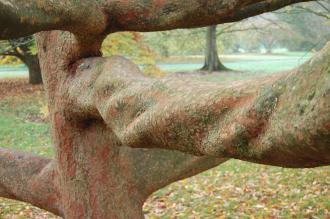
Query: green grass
{"points": [[20, 128], [259, 64], [238, 189]]}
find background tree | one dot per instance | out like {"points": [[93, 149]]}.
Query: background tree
{"points": [[23, 49], [212, 61], [120, 136], [130, 45], [176, 43]]}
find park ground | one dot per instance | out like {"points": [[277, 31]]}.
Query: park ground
{"points": [[235, 189]]}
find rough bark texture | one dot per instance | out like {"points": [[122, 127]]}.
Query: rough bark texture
{"points": [[24, 17], [29, 178], [247, 120], [120, 136], [212, 61], [98, 175]]}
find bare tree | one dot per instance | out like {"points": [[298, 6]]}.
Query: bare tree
{"points": [[309, 25], [120, 136], [21, 49], [212, 61], [319, 8]]}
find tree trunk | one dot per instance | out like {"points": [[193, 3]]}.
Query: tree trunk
{"points": [[32, 62], [212, 61], [94, 174]]}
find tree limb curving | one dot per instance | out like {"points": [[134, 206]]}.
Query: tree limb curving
{"points": [[244, 120]]}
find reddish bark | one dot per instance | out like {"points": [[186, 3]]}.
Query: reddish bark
{"points": [[248, 120], [29, 178], [103, 112], [106, 16], [99, 176]]}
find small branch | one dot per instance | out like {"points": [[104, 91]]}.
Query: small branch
{"points": [[272, 22], [187, 14], [30, 179], [262, 7], [318, 13], [26, 17], [320, 3], [240, 30], [229, 26]]}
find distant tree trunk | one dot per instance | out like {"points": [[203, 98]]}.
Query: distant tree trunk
{"points": [[212, 61], [32, 62], [21, 49]]}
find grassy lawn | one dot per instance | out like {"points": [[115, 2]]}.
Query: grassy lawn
{"points": [[242, 190], [21, 128], [17, 71], [235, 189], [252, 64]]}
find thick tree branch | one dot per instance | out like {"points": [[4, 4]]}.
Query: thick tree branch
{"points": [[240, 30], [246, 120], [25, 17], [166, 15], [29, 178], [85, 18]]}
